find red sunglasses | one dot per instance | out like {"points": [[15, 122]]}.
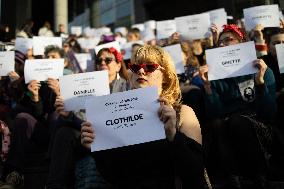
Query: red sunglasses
{"points": [[148, 68]]}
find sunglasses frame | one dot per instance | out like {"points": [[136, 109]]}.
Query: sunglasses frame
{"points": [[144, 66], [107, 60]]}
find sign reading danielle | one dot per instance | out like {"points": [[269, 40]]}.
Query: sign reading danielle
{"points": [[231, 61], [125, 118], [77, 88]]}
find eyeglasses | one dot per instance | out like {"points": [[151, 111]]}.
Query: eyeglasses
{"points": [[148, 68], [107, 60]]}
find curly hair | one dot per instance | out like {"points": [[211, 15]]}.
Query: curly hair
{"points": [[154, 54]]}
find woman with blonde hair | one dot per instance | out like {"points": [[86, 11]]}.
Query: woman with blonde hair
{"points": [[161, 163]]}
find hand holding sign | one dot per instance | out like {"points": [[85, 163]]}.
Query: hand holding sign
{"points": [[167, 115], [87, 134], [59, 107], [262, 67], [34, 87]]}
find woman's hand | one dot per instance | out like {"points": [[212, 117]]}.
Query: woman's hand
{"points": [[257, 35], [167, 115], [54, 85], [13, 76], [59, 107], [215, 33], [262, 67], [34, 87], [87, 134]]}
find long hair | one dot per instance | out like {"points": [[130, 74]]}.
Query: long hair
{"points": [[154, 54]]}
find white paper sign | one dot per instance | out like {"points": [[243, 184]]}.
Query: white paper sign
{"points": [[125, 118], [122, 30], [218, 17], [76, 30], [166, 28], [280, 56], [7, 62], [42, 69], [176, 54], [39, 44], [77, 88], [148, 35], [88, 43], [231, 61], [266, 15], [23, 44], [82, 59], [151, 24], [127, 48], [141, 27], [114, 44], [194, 26]]}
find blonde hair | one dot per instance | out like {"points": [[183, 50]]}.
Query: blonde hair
{"points": [[154, 54]]}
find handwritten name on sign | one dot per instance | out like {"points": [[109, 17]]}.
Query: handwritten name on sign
{"points": [[125, 118]]}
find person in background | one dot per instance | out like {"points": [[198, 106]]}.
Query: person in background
{"points": [[45, 30]]}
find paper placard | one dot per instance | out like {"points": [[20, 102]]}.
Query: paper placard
{"points": [[176, 54], [141, 27], [7, 62], [231, 61], [148, 34], [42, 69], [122, 30], [39, 44], [113, 44], [280, 56], [88, 43], [77, 88], [165, 28], [23, 44], [194, 26], [150, 24], [218, 17], [82, 58], [266, 15], [125, 118], [127, 48], [76, 30]]}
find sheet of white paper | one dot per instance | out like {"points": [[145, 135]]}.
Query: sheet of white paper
{"points": [[125, 118], [148, 35], [194, 26], [176, 54], [218, 17], [280, 56], [39, 44], [88, 43], [141, 27], [77, 88], [127, 49], [166, 28], [266, 15], [76, 30], [7, 62], [82, 59], [23, 44], [42, 69], [114, 44], [151, 24], [122, 30], [231, 61]]}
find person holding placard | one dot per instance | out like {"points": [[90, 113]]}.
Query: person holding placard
{"points": [[181, 151], [67, 135], [240, 112], [275, 36]]}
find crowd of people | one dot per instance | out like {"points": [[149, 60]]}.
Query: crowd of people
{"points": [[225, 133]]}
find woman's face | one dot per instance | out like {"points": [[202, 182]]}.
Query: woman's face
{"points": [[227, 39], [107, 62], [148, 75]]}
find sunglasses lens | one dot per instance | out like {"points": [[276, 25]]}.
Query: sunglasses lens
{"points": [[108, 60], [134, 67], [151, 67]]}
